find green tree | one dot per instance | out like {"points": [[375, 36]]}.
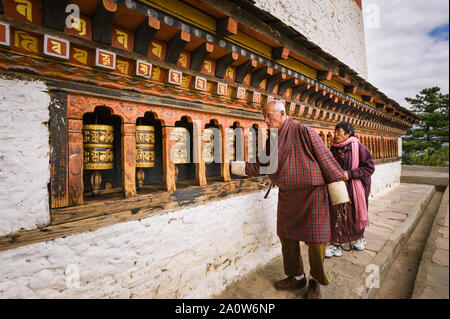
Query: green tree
{"points": [[427, 142]]}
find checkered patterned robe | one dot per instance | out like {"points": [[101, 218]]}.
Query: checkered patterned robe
{"points": [[305, 167]]}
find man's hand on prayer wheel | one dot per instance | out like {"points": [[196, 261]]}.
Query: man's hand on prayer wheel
{"points": [[338, 193]]}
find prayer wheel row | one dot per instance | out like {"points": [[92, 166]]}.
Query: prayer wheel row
{"points": [[98, 145]]}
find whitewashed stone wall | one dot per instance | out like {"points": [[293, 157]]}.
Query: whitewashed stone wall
{"points": [[24, 155], [334, 25], [192, 253], [385, 177]]}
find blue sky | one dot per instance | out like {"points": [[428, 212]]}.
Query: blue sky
{"points": [[440, 33], [407, 46]]}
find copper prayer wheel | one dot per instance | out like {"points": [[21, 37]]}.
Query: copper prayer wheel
{"points": [[252, 145], [145, 146], [181, 145], [145, 151], [98, 147], [98, 151], [232, 144], [208, 136]]}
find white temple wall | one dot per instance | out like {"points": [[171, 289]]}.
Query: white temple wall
{"points": [[336, 26], [24, 155]]}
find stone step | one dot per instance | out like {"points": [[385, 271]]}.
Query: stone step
{"points": [[432, 280], [437, 176], [357, 274]]}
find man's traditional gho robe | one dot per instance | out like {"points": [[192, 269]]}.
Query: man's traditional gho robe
{"points": [[305, 167]]}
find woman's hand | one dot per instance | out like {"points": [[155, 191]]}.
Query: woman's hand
{"points": [[345, 176]]}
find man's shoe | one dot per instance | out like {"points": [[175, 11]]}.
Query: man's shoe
{"points": [[290, 283], [313, 291]]}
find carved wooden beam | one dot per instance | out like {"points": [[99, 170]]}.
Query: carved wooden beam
{"points": [[286, 85], [307, 93], [176, 45], [334, 106], [224, 62], [102, 21], [350, 89], [367, 98], [54, 14], [307, 112], [312, 99], [259, 75], [274, 80], [324, 75], [280, 53], [226, 26], [321, 99], [341, 72], [299, 89], [244, 69], [327, 103], [380, 106], [314, 114], [144, 35], [199, 55]]}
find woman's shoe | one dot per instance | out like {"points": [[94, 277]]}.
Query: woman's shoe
{"points": [[331, 251], [360, 244]]}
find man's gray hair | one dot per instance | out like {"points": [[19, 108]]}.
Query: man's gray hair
{"points": [[278, 105]]}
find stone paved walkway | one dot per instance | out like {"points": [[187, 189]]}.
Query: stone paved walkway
{"points": [[392, 216], [432, 277]]}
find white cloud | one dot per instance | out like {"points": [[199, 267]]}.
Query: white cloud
{"points": [[402, 58]]}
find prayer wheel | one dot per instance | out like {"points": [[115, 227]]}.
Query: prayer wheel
{"points": [[208, 136], [180, 148], [252, 145], [98, 149], [232, 145], [145, 151]]}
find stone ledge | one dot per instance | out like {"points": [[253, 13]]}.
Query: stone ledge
{"points": [[393, 245], [387, 160], [437, 176], [432, 281]]}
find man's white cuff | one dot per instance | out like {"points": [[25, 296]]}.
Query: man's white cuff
{"points": [[238, 168], [338, 193]]}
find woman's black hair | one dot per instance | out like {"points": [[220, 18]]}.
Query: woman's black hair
{"points": [[347, 127]]}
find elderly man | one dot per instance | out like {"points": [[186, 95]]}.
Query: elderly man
{"points": [[305, 167]]}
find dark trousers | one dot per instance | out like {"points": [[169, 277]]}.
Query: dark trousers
{"points": [[293, 263]]}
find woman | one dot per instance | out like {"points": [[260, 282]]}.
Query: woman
{"points": [[358, 165]]}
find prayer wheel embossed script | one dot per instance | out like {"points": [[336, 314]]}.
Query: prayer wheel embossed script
{"points": [[145, 146], [98, 149], [145, 151], [180, 149]]}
